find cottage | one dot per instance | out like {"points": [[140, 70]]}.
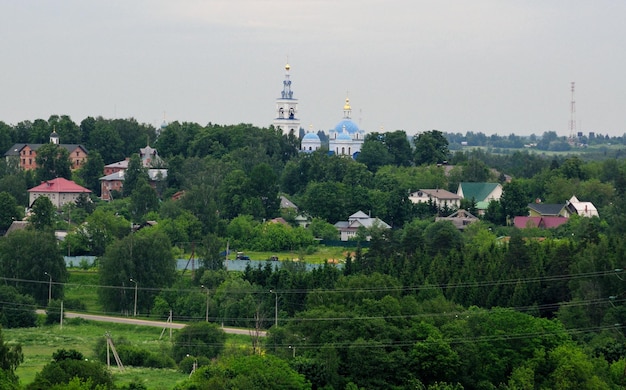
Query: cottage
{"points": [[348, 229]]}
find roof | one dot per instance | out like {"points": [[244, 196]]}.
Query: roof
{"points": [[438, 193], [59, 185], [584, 209], [478, 191], [286, 203], [153, 174], [350, 126], [539, 222], [311, 137], [460, 218], [546, 208], [124, 163], [15, 149], [120, 164]]}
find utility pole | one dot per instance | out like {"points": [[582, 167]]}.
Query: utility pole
{"points": [[206, 316], [135, 310], [275, 307], [49, 287]]}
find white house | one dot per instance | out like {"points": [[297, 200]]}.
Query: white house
{"points": [[348, 229], [60, 191], [440, 198]]}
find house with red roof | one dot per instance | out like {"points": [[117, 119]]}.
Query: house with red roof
{"points": [[60, 191]]}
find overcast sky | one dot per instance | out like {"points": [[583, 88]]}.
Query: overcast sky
{"points": [[494, 66]]}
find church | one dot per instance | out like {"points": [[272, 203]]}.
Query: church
{"points": [[345, 139]]}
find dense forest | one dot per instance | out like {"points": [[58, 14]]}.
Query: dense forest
{"points": [[424, 306]]}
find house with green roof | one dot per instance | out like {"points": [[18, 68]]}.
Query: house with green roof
{"points": [[481, 193]]}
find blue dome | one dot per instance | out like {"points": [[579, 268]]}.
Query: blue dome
{"points": [[311, 137], [350, 126], [344, 137]]}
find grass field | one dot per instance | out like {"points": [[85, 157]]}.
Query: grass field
{"points": [[82, 286], [321, 255], [39, 343]]}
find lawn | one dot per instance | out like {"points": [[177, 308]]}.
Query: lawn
{"points": [[39, 343], [82, 286], [321, 255]]}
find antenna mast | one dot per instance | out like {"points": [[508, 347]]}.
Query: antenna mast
{"points": [[572, 120]]}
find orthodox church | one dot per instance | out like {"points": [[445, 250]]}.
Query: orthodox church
{"points": [[345, 139]]}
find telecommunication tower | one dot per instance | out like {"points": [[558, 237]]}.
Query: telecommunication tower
{"points": [[572, 119]]}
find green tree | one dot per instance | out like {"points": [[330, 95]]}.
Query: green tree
{"points": [[9, 210], [431, 147], [146, 257], [374, 154], [199, 339], [264, 187], [143, 200], [101, 229], [247, 372], [133, 173], [514, 200], [16, 310], [11, 357], [69, 132], [442, 237], [92, 171], [53, 161], [327, 201], [322, 229], [68, 365], [43, 214], [28, 255]]}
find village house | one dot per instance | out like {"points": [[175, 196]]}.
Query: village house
{"points": [[348, 229], [60, 191]]}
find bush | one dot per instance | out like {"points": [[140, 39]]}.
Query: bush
{"points": [[132, 355], [199, 339], [67, 366], [186, 365], [16, 310]]}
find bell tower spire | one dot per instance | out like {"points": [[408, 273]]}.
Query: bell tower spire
{"points": [[287, 108]]}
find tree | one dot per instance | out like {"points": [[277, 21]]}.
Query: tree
{"points": [[16, 310], [68, 365], [247, 372], [9, 210], [53, 161], [142, 200], [144, 256], [91, 172], [442, 237], [374, 153], [264, 187], [514, 200], [101, 229], [28, 255], [199, 339], [10, 358], [132, 174], [322, 229], [431, 147], [43, 214]]}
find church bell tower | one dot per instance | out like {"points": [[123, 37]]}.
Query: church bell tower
{"points": [[287, 108]]}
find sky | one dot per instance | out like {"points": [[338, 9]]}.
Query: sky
{"points": [[491, 66]]}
